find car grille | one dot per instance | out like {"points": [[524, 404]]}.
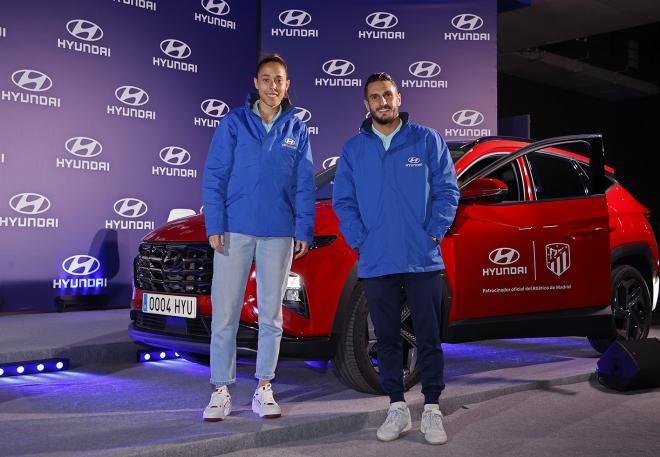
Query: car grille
{"points": [[174, 268], [198, 327]]}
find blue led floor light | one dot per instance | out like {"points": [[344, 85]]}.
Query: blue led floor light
{"points": [[156, 355], [31, 367]]}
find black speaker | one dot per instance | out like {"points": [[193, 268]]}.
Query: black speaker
{"points": [[629, 365]]}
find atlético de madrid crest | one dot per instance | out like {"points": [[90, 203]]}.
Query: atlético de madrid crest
{"points": [[558, 257]]}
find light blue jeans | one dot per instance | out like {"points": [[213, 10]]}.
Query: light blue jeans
{"points": [[272, 256]]}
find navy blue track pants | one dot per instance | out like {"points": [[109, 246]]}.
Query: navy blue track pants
{"points": [[424, 297]]}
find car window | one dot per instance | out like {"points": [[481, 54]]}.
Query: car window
{"points": [[508, 173], [556, 177]]}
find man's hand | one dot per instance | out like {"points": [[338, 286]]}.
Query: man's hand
{"points": [[300, 249], [217, 242]]}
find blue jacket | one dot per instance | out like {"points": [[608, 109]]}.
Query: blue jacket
{"points": [[259, 183], [390, 203]]}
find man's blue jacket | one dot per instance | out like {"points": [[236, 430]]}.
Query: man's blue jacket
{"points": [[390, 203], [259, 183]]}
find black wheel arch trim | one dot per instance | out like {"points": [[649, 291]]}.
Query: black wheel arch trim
{"points": [[636, 250]]}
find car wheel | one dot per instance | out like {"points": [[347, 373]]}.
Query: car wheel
{"points": [[631, 308], [356, 360]]}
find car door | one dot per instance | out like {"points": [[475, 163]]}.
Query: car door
{"points": [[534, 254]]}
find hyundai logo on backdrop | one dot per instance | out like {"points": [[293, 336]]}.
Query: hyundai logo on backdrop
{"points": [[214, 108], [84, 30], [88, 33], [77, 266], [81, 265], [425, 71], [31, 81], [330, 162], [338, 68], [294, 20], [502, 257], [174, 156], [132, 96], [144, 4], [85, 148], [176, 50], [217, 9], [382, 22], [129, 208], [467, 24], [305, 115], [467, 119], [30, 205]]}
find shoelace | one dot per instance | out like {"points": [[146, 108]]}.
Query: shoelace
{"points": [[392, 416], [267, 396], [433, 418], [219, 398]]}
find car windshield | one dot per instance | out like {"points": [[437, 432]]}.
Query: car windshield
{"points": [[324, 179]]}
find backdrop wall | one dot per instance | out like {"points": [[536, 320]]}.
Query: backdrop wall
{"points": [[107, 108]]}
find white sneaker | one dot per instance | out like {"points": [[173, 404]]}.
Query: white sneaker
{"points": [[264, 404], [220, 405], [397, 422], [432, 428]]}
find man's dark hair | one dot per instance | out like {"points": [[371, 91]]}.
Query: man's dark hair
{"points": [[272, 58], [381, 76]]}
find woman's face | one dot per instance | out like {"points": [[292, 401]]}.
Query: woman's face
{"points": [[272, 84]]}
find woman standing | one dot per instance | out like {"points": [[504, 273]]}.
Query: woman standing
{"points": [[258, 192]]}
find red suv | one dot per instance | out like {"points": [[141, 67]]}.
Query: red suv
{"points": [[545, 242]]}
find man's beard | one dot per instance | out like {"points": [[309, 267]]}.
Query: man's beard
{"points": [[381, 121]]}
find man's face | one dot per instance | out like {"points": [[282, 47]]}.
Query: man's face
{"points": [[272, 84], [383, 101]]}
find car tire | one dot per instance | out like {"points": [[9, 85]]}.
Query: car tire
{"points": [[631, 308], [355, 360]]}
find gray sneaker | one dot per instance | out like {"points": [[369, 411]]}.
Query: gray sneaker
{"points": [[220, 405], [397, 422], [432, 428]]}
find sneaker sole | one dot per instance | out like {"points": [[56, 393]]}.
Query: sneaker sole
{"points": [[403, 432], [214, 419], [434, 442]]}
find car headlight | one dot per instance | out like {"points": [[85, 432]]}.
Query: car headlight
{"points": [[295, 298]]}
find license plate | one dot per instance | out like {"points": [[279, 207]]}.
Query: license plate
{"points": [[170, 305]]}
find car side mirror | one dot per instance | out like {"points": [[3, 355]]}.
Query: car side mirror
{"points": [[489, 189]]}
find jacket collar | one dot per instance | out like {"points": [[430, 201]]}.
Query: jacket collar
{"points": [[367, 126]]}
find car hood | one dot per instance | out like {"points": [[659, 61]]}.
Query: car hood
{"points": [[193, 229]]}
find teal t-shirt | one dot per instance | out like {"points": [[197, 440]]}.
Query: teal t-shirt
{"points": [[269, 125], [387, 139]]}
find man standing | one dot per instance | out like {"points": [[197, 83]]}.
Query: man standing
{"points": [[395, 194]]}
